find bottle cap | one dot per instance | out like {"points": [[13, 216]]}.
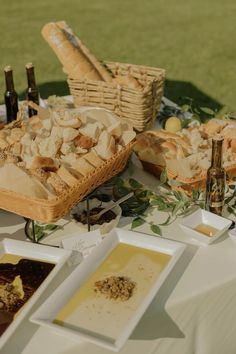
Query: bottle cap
{"points": [[218, 139], [7, 68], [29, 65]]}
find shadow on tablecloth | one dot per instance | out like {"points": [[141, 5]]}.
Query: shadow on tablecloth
{"points": [[156, 323]]}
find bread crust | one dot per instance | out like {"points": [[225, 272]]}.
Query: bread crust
{"points": [[83, 166], [93, 159], [66, 176], [46, 163], [57, 183]]}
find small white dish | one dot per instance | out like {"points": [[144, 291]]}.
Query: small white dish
{"points": [[37, 252], [232, 234], [207, 219], [104, 322], [95, 203]]}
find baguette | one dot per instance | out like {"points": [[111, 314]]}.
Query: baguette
{"points": [[93, 159], [104, 73], [67, 176], [83, 166], [40, 174], [106, 146], [127, 80], [57, 183], [75, 63]]}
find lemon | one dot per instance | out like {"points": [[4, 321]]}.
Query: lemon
{"points": [[173, 125]]}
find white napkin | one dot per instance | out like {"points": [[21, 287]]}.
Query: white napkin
{"points": [[81, 244]]}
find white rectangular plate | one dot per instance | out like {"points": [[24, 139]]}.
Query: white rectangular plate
{"points": [[99, 317], [30, 250]]}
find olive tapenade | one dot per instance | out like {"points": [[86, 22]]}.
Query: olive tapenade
{"points": [[105, 218]]}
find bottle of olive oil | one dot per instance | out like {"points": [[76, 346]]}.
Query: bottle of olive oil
{"points": [[215, 183], [10, 96], [32, 93]]}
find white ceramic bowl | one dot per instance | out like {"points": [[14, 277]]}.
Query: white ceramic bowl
{"points": [[201, 216], [93, 203], [232, 234]]}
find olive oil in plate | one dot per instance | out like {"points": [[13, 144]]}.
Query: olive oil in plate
{"points": [[207, 230]]}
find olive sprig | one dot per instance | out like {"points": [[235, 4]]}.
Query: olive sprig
{"points": [[174, 203]]}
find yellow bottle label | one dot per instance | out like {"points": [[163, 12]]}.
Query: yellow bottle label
{"points": [[217, 204]]}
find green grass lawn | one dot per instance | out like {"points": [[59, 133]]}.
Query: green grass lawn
{"points": [[194, 40]]}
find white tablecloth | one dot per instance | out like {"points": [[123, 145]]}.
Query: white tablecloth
{"points": [[193, 313]]}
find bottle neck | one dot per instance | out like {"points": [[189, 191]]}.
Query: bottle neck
{"points": [[216, 157], [9, 80], [31, 77]]}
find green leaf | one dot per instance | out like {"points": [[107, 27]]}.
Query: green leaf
{"points": [[149, 194], [174, 183], [120, 191], [231, 210], [186, 98], [196, 117], [177, 207], [164, 207], [163, 176], [157, 201], [186, 212], [195, 195], [185, 108], [178, 195], [135, 184], [50, 227], [184, 123], [156, 229], [118, 181], [228, 200], [196, 110], [141, 194], [137, 222], [207, 110], [159, 198], [38, 228], [39, 235], [232, 186]]}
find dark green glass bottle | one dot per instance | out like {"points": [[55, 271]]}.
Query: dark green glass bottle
{"points": [[215, 184], [10, 96], [32, 93]]}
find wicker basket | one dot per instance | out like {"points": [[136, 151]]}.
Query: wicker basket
{"points": [[49, 211], [137, 107], [188, 184]]}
